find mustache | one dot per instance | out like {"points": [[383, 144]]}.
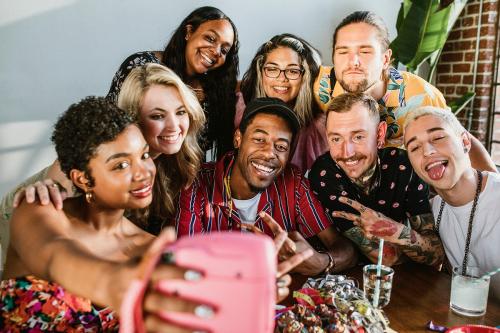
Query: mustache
{"points": [[359, 70], [355, 157]]}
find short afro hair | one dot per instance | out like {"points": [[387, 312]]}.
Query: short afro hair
{"points": [[83, 128]]}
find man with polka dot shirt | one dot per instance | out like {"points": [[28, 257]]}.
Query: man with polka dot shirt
{"points": [[370, 192]]}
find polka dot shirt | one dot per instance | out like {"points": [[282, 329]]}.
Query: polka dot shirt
{"points": [[399, 194]]}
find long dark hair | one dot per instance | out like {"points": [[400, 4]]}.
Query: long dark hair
{"points": [[219, 85], [251, 85]]}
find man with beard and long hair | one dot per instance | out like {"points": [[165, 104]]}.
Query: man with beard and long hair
{"points": [[362, 63], [255, 188], [371, 192]]}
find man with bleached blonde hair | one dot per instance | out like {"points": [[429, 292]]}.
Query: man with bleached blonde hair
{"points": [[465, 208]]}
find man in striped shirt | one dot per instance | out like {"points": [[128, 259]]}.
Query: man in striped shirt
{"points": [[255, 187]]}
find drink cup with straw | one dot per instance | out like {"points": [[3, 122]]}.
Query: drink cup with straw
{"points": [[491, 273], [379, 273]]}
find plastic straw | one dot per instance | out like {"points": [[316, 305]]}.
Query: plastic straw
{"points": [[491, 273], [379, 272]]}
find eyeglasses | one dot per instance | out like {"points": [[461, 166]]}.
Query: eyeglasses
{"points": [[290, 73]]}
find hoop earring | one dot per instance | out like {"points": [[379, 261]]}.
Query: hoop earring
{"points": [[89, 196]]}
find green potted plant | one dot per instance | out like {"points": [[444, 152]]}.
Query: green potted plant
{"points": [[423, 27]]}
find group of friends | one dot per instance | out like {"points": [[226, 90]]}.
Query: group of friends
{"points": [[325, 160]]}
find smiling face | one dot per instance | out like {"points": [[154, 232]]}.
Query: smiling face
{"points": [[437, 152], [123, 171], [163, 119], [207, 46], [263, 152], [352, 137], [358, 57], [282, 58]]}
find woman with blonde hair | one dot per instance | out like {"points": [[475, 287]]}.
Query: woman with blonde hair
{"points": [[170, 118]]}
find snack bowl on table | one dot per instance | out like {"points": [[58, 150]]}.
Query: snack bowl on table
{"points": [[330, 304]]}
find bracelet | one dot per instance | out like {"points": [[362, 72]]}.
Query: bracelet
{"points": [[331, 263]]}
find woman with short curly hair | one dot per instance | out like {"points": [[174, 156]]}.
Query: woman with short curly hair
{"points": [[69, 270], [170, 119]]}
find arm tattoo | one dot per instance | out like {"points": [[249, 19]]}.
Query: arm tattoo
{"points": [[364, 244], [420, 242], [384, 228], [405, 233]]}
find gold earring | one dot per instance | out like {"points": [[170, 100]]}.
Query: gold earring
{"points": [[89, 196]]}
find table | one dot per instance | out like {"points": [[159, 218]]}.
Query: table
{"points": [[420, 294]]}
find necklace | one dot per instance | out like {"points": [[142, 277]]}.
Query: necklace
{"points": [[227, 189], [471, 218]]}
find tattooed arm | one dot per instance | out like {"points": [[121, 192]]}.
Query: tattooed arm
{"points": [[369, 247], [418, 240]]}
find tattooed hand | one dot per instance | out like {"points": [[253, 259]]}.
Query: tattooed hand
{"points": [[417, 240], [373, 224]]}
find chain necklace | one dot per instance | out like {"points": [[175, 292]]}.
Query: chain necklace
{"points": [[227, 190], [471, 218]]}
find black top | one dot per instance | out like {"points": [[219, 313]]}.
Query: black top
{"points": [[133, 61], [399, 193]]}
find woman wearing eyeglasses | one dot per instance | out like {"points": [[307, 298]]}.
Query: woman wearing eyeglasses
{"points": [[285, 67]]}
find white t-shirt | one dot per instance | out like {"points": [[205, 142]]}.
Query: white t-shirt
{"points": [[247, 209], [484, 249]]}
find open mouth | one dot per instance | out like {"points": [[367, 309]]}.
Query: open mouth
{"points": [[352, 162], [436, 169], [142, 192], [170, 138], [262, 169], [207, 60], [281, 89]]}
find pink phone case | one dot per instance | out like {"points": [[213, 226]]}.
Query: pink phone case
{"points": [[239, 282]]}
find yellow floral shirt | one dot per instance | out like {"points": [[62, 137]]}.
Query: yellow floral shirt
{"points": [[405, 92]]}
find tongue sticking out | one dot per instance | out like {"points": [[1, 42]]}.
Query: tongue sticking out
{"points": [[436, 172]]}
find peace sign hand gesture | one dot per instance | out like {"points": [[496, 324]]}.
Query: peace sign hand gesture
{"points": [[374, 224]]}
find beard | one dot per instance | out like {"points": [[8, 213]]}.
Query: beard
{"points": [[355, 87], [257, 189]]}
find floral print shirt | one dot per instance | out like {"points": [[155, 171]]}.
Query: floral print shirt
{"points": [[33, 305], [405, 92]]}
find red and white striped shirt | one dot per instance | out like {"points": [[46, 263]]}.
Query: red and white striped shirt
{"points": [[204, 206]]}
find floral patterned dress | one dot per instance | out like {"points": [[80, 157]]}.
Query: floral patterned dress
{"points": [[32, 305]]}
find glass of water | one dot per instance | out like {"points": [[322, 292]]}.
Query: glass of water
{"points": [[469, 292], [385, 284]]}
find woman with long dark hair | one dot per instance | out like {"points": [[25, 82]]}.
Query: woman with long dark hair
{"points": [[203, 51]]}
